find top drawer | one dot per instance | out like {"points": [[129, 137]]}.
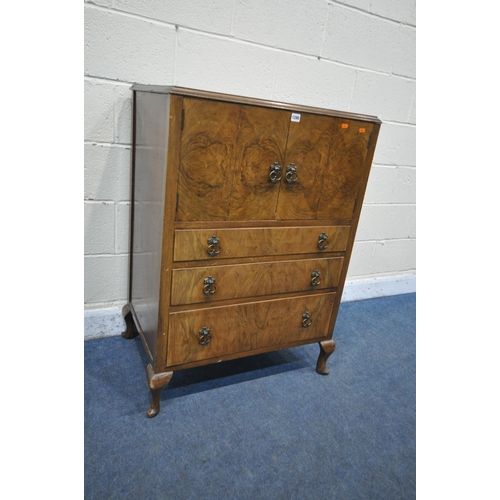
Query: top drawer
{"points": [[203, 244]]}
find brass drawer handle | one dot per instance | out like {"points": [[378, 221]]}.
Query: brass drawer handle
{"points": [[306, 319], [323, 241], [213, 246], [204, 336], [315, 281], [275, 172], [209, 288], [291, 175]]}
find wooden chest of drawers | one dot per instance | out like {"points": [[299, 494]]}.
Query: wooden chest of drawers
{"points": [[243, 218]]}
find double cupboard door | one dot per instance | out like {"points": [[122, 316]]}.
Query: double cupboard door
{"points": [[244, 162]]}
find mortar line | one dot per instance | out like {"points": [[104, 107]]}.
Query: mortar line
{"points": [[239, 40]]}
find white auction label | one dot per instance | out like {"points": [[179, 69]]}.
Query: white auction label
{"points": [[295, 117]]}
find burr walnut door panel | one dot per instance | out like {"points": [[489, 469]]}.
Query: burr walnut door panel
{"points": [[328, 157], [212, 283], [261, 143], [207, 159], [226, 153], [218, 331]]}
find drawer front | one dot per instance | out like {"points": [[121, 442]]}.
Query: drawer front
{"points": [[210, 333], [203, 244], [211, 283]]}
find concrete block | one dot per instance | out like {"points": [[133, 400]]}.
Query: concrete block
{"points": [[394, 256], [383, 222], [105, 278], [361, 258], [359, 4], [212, 16], [123, 115], [125, 48], [102, 3], [405, 187], [99, 220], [381, 185], [360, 39], [211, 63], [400, 10], [405, 57], [412, 118], [388, 97], [122, 228], [312, 82], [294, 25], [396, 145], [107, 172], [99, 101]]}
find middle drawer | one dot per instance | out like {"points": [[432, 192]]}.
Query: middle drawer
{"points": [[208, 283]]}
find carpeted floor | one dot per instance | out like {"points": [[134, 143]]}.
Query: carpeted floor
{"points": [[264, 427]]}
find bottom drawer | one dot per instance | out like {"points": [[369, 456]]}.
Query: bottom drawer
{"points": [[210, 333]]}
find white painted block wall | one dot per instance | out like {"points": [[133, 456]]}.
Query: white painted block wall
{"points": [[350, 55]]}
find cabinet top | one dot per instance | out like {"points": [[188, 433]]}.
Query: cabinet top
{"points": [[205, 94]]}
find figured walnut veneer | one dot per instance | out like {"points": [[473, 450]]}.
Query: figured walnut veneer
{"points": [[243, 219]]}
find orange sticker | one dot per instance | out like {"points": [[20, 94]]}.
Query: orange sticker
{"points": [[345, 125], [361, 130]]}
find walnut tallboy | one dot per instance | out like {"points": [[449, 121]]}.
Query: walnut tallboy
{"points": [[243, 218]]}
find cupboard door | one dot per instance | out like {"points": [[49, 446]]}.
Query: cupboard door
{"points": [[226, 154], [207, 159], [328, 158], [261, 143], [307, 151], [346, 169]]}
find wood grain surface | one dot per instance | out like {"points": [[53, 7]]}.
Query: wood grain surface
{"points": [[245, 327], [253, 279], [191, 244], [207, 159], [329, 155], [261, 142]]}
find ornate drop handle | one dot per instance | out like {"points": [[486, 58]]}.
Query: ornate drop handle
{"points": [[209, 288], [315, 281], [323, 241], [275, 172], [291, 175], [213, 246], [204, 336], [306, 319]]}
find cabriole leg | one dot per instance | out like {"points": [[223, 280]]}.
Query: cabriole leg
{"points": [[157, 381], [131, 330], [326, 348]]}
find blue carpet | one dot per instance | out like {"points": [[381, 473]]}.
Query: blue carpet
{"points": [[263, 427]]}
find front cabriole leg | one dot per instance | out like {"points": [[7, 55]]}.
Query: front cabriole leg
{"points": [[157, 381], [326, 348]]}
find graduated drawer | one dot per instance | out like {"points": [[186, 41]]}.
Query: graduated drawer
{"points": [[194, 244], [208, 283], [219, 331]]}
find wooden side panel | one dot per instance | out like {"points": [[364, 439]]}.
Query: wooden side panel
{"points": [[261, 142], [253, 280], [207, 159], [152, 111], [346, 169], [246, 327], [192, 244]]}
